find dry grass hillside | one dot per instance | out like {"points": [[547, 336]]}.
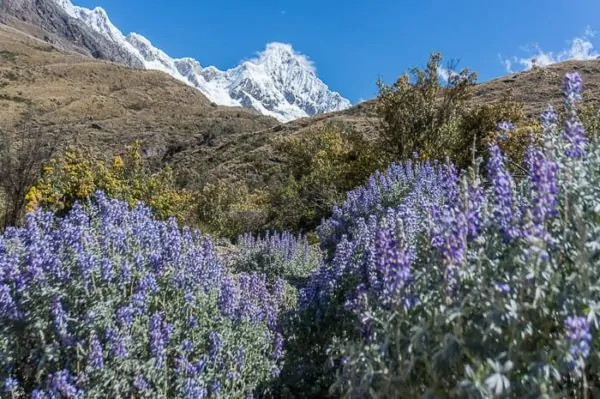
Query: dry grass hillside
{"points": [[535, 89], [107, 105]]}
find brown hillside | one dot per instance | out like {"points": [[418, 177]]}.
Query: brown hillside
{"points": [[107, 105]]}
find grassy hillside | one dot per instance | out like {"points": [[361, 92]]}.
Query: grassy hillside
{"points": [[106, 105]]}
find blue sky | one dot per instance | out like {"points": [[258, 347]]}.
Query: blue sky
{"points": [[354, 42]]}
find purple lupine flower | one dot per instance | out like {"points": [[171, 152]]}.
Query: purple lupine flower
{"points": [[549, 118], [214, 345], [201, 366], [277, 353], [117, 343], [140, 383], [193, 390], [503, 201], [450, 240], [393, 268], [38, 394], [125, 272], [215, 387], [192, 322], [96, 360], [544, 178], [504, 288], [125, 315], [475, 204], [504, 128], [184, 367], [574, 135], [139, 301], [168, 331], [106, 270], [572, 86], [10, 384], [60, 321], [228, 297], [8, 307], [187, 346], [62, 382], [148, 283], [279, 291], [578, 334], [240, 356], [157, 340]]}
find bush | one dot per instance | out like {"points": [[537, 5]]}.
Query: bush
{"points": [[420, 114], [230, 208], [281, 257], [276, 255], [21, 156], [467, 290], [110, 302], [75, 175], [321, 165], [479, 126]]}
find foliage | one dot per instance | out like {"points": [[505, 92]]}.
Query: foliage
{"points": [[419, 114], [321, 165], [280, 257], [75, 175], [480, 126], [21, 155], [276, 255], [467, 288], [228, 209], [110, 302]]}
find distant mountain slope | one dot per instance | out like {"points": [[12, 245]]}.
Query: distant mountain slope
{"points": [[279, 82], [106, 105]]}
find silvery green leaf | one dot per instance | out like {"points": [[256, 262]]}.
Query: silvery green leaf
{"points": [[497, 383]]}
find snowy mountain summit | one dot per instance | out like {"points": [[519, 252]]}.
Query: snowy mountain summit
{"points": [[278, 82]]}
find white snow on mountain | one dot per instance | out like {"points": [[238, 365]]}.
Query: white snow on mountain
{"points": [[278, 82]]}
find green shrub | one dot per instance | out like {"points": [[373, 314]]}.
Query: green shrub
{"points": [[321, 165], [229, 208], [422, 115]]}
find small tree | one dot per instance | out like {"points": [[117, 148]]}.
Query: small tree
{"points": [[21, 155], [420, 114]]}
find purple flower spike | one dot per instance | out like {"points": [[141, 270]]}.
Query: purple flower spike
{"points": [[572, 86], [578, 333]]}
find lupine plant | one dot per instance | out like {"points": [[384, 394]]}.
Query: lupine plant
{"points": [[465, 287], [286, 260], [276, 255], [110, 302]]}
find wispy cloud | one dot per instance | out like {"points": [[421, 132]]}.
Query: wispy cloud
{"points": [[580, 48], [445, 73]]}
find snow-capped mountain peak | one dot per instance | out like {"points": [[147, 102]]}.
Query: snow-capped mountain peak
{"points": [[279, 81]]}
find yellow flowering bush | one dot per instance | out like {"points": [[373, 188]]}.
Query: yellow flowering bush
{"points": [[76, 174]]}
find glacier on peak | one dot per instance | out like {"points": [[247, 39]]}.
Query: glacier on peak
{"points": [[278, 81]]}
